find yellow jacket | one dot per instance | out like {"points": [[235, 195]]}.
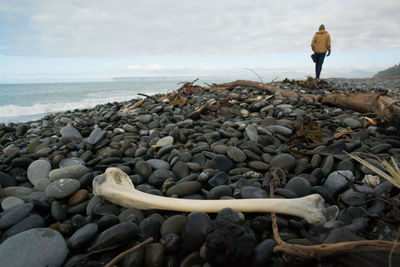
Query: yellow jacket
{"points": [[321, 42]]}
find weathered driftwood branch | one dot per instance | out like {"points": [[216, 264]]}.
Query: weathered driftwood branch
{"points": [[323, 250], [148, 96], [383, 106], [117, 187], [129, 251]]}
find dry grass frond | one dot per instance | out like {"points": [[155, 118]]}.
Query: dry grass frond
{"points": [[394, 171]]}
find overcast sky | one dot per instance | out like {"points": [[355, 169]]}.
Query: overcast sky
{"points": [[97, 39]]}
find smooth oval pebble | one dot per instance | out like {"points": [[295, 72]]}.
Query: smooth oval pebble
{"points": [[220, 191], [10, 202], [150, 227], [116, 234], [327, 165], [263, 252], [236, 154], [71, 161], [131, 214], [231, 215], [70, 172], [30, 222], [337, 182], [252, 133], [158, 177], [7, 180], [15, 215], [78, 197], [58, 212], [168, 140], [280, 130], [184, 188], [284, 161], [83, 236], [252, 192], [158, 164], [38, 170], [173, 225], [70, 133], [62, 188], [107, 221], [298, 185], [95, 136], [223, 163], [180, 169], [143, 169], [220, 178], [195, 231], [34, 248], [258, 165]]}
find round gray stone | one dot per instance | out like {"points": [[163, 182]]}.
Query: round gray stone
{"points": [[143, 169], [298, 185], [38, 170], [220, 149], [280, 130], [327, 165], [231, 215], [236, 154], [10, 202], [284, 161], [158, 164], [173, 225], [70, 172], [184, 188], [71, 133], [71, 161], [145, 118], [258, 165], [62, 188], [168, 140], [83, 236], [252, 192], [158, 177], [381, 148], [35, 248], [223, 163], [30, 222], [336, 181], [352, 123], [353, 198], [11, 149], [14, 215], [252, 133], [180, 169], [95, 136]]}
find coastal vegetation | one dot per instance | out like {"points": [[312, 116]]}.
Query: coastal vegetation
{"points": [[390, 73]]}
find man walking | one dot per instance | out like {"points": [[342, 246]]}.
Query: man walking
{"points": [[320, 44]]}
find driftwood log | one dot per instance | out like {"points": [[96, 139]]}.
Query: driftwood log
{"points": [[385, 107], [324, 250]]}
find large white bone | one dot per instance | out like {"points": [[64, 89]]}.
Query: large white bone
{"points": [[116, 187]]}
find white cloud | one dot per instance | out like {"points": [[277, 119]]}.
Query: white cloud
{"points": [[134, 67], [101, 28], [155, 67]]}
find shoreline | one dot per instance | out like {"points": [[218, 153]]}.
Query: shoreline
{"points": [[345, 84]]}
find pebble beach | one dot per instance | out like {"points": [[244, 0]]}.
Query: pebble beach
{"points": [[50, 216]]}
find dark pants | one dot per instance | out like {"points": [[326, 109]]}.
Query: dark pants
{"points": [[319, 60]]}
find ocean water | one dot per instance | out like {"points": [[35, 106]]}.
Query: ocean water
{"points": [[27, 102]]}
